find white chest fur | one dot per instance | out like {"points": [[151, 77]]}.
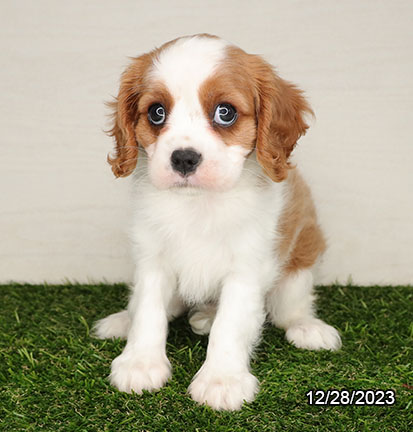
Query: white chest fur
{"points": [[202, 237]]}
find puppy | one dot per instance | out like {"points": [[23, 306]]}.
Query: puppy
{"points": [[223, 224]]}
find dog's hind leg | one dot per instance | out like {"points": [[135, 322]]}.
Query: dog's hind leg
{"points": [[290, 306], [113, 326], [202, 317]]}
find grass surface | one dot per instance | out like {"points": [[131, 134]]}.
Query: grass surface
{"points": [[53, 373]]}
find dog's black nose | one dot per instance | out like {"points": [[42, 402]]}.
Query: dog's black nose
{"points": [[185, 161]]}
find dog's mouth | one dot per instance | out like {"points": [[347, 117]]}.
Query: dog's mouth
{"points": [[185, 186], [189, 181], [181, 183], [187, 189], [195, 185]]}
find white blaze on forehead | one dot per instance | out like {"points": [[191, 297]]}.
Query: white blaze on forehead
{"points": [[187, 63]]}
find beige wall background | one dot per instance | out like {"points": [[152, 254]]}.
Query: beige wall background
{"points": [[63, 215]]}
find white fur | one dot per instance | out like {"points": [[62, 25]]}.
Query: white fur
{"points": [[207, 240]]}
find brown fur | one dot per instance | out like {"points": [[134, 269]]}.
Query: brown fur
{"points": [[301, 239], [229, 86], [271, 110], [125, 116], [145, 132], [136, 94], [280, 109]]}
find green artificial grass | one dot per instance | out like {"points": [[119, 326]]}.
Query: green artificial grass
{"points": [[53, 374]]}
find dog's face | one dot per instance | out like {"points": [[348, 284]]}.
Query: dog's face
{"points": [[199, 106]]}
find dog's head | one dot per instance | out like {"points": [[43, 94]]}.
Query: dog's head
{"points": [[199, 106]]}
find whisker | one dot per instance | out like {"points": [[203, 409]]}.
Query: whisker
{"points": [[138, 180], [261, 176], [131, 146], [136, 159], [127, 161]]}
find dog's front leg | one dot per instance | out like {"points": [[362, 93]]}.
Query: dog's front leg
{"points": [[224, 381], [143, 364]]}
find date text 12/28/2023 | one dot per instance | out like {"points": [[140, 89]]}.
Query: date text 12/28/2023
{"points": [[351, 397]]}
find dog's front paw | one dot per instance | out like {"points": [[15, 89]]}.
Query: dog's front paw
{"points": [[314, 334], [223, 391], [132, 371]]}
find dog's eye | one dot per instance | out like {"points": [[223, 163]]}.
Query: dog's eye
{"points": [[157, 114], [225, 114]]}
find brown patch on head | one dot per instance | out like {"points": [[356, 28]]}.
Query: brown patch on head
{"points": [[271, 110], [301, 239], [231, 85], [147, 133]]}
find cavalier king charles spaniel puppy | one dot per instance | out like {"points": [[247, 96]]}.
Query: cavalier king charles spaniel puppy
{"points": [[224, 226]]}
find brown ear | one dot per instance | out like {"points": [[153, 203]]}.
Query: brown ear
{"points": [[280, 110], [125, 116]]}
